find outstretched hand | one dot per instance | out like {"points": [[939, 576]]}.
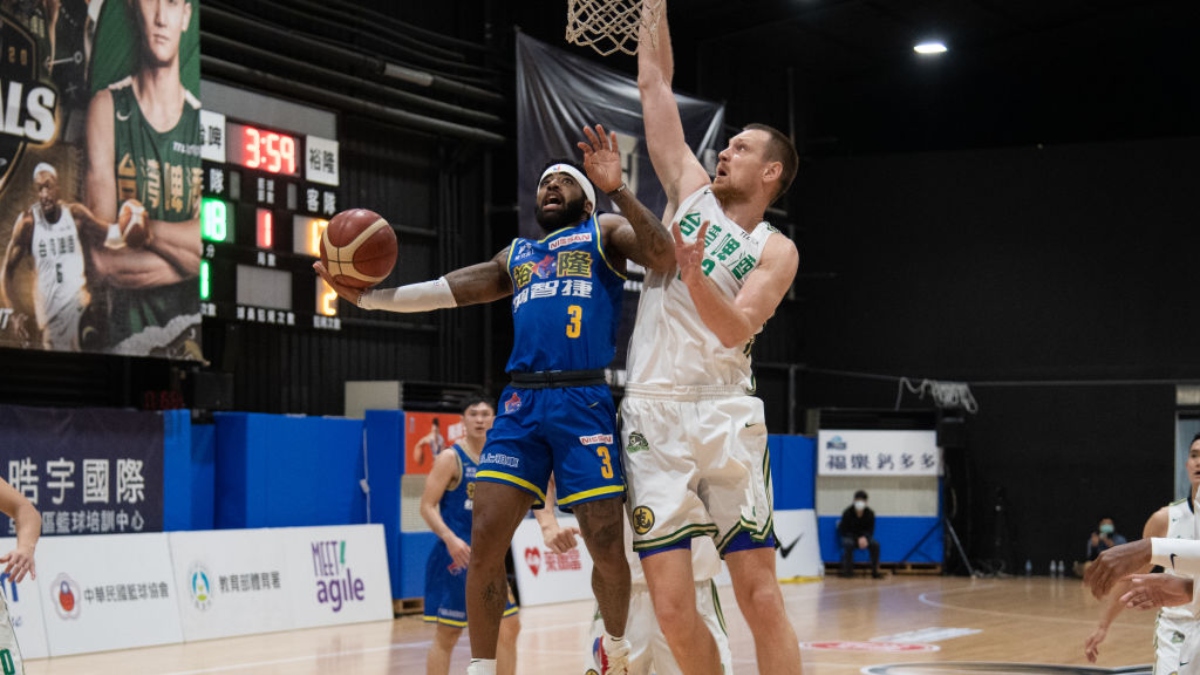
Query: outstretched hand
{"points": [[1091, 647], [1154, 591], [347, 293], [17, 563], [601, 158], [1115, 563], [689, 256]]}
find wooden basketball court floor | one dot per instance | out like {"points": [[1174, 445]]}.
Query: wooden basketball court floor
{"points": [[961, 623]]}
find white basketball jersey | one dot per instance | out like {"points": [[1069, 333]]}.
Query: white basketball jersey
{"points": [[1181, 525], [671, 346], [58, 256]]}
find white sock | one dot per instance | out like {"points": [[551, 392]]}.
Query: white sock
{"points": [[482, 667]]}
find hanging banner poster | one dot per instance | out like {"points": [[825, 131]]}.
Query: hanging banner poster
{"points": [[99, 190]]}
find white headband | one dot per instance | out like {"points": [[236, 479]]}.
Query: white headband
{"points": [[588, 190], [43, 167]]}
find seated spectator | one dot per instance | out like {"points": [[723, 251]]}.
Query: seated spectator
{"points": [[1104, 538], [857, 531]]}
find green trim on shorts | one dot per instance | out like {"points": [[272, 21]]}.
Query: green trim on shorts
{"points": [[747, 526], [688, 532], [716, 598]]}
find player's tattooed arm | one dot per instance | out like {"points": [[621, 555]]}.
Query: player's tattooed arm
{"points": [[481, 283]]}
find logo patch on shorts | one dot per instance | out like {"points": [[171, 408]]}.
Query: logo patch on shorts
{"points": [[637, 443], [513, 404], [643, 519], [596, 439]]}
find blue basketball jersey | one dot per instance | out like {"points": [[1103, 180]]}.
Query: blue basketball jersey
{"points": [[566, 301], [445, 581], [457, 504]]}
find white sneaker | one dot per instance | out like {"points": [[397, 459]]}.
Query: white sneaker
{"points": [[616, 656]]}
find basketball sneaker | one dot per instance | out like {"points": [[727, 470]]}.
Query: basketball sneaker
{"points": [[616, 656]]}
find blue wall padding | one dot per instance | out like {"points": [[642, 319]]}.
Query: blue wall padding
{"points": [[288, 471], [188, 479], [897, 535], [793, 460], [385, 448], [204, 479], [414, 548]]}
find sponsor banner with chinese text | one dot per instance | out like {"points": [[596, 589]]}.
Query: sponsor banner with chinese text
{"points": [[107, 592], [544, 576], [25, 610], [877, 453], [340, 574], [231, 582], [88, 471]]}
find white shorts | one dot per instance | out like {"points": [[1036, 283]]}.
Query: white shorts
{"points": [[61, 332], [695, 466], [10, 653], [648, 650]]}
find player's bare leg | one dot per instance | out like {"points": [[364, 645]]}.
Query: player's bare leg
{"points": [[506, 647], [673, 591], [499, 509], [758, 596], [602, 525], [444, 639]]}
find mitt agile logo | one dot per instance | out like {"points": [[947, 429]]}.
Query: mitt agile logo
{"points": [[336, 583], [27, 107]]}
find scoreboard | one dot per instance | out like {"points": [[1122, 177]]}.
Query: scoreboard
{"points": [[268, 195]]}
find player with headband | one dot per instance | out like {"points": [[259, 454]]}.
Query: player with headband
{"points": [[557, 414]]}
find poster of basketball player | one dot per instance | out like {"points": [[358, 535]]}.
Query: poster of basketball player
{"points": [[427, 434], [100, 176]]}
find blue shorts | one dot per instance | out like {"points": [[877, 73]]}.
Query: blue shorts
{"points": [[446, 590], [571, 431]]}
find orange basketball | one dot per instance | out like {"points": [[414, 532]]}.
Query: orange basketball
{"points": [[358, 248]]}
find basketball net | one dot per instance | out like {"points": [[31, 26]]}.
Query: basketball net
{"points": [[610, 26]]}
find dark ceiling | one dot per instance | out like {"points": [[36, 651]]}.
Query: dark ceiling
{"points": [[843, 76]]}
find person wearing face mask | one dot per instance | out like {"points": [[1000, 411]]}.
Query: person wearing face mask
{"points": [[1104, 538], [857, 531]]}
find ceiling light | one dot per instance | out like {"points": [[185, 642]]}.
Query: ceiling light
{"points": [[930, 48]]}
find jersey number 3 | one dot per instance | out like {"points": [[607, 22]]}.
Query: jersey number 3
{"points": [[575, 322], [606, 469]]}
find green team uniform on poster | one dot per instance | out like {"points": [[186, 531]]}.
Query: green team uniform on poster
{"points": [[161, 170]]}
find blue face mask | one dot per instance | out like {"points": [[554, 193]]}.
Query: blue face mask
{"points": [[1106, 529]]}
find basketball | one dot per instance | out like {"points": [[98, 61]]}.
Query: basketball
{"points": [[358, 248]]}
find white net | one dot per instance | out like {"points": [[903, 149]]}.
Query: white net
{"points": [[945, 394], [610, 26]]}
